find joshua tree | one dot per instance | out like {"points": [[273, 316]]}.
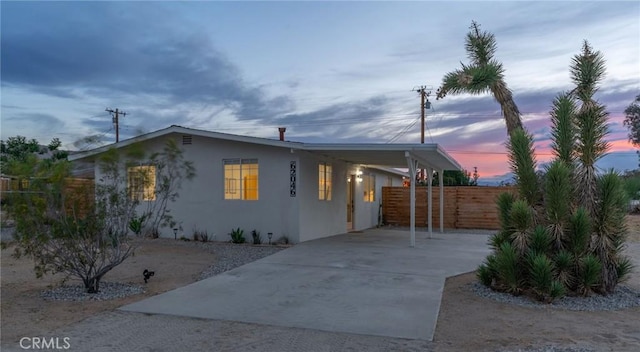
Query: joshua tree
{"points": [[483, 74], [564, 231]]}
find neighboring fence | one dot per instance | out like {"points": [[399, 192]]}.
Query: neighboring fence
{"points": [[79, 193], [464, 207]]}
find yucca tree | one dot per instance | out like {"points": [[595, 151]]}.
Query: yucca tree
{"points": [[567, 229], [587, 71], [484, 74]]}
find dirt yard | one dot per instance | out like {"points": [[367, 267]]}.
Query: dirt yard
{"points": [[466, 321]]}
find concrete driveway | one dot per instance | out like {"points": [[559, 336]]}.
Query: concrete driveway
{"points": [[368, 283]]}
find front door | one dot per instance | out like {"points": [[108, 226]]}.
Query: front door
{"points": [[351, 183]]}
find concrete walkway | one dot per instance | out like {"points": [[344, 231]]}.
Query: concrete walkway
{"points": [[369, 283]]}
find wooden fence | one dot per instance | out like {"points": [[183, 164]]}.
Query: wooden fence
{"points": [[464, 207], [79, 193]]}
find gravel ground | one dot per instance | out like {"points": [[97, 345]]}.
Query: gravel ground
{"points": [[108, 290], [230, 256], [552, 349], [623, 297], [227, 256]]}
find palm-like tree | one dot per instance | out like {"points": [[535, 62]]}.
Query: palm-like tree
{"points": [[483, 74]]}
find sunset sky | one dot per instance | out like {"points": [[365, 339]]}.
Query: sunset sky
{"points": [[328, 71]]}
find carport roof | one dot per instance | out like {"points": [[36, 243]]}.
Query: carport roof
{"points": [[388, 155]]}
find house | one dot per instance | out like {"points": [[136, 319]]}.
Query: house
{"points": [[303, 191]]}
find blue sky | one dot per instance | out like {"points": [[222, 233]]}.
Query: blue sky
{"points": [[328, 71]]}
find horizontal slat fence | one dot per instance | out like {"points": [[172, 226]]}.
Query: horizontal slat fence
{"points": [[464, 207]]}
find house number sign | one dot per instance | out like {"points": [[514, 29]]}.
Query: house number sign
{"points": [[292, 179]]}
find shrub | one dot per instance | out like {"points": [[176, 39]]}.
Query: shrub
{"points": [[540, 274], [556, 290], [540, 240], [485, 275], [623, 269], [589, 274], [522, 221], [507, 268], [564, 268], [256, 237], [200, 235], [496, 240], [237, 235]]}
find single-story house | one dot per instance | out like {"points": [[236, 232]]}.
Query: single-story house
{"points": [[303, 191]]}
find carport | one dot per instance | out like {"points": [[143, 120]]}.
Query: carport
{"points": [[430, 157]]}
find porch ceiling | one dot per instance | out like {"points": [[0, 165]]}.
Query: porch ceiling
{"points": [[390, 155]]}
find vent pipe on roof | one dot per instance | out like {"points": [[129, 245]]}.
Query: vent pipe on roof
{"points": [[282, 130]]}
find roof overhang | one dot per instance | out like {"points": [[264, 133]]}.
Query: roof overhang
{"points": [[388, 155], [375, 154]]}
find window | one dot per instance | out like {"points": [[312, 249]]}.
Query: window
{"points": [[369, 186], [324, 181], [241, 179], [142, 182]]}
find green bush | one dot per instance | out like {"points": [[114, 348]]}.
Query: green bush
{"points": [[540, 274], [564, 268], [589, 274], [540, 240], [507, 268], [556, 290], [623, 269], [237, 235]]}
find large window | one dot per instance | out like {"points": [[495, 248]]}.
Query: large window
{"points": [[142, 182], [369, 186], [241, 179], [324, 181]]}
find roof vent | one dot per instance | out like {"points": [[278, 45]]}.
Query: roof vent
{"points": [[187, 139]]}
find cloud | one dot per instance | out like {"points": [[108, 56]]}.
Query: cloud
{"points": [[39, 123], [117, 56]]}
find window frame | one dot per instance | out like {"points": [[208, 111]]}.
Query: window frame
{"points": [[325, 181], [138, 189], [369, 188], [247, 171]]}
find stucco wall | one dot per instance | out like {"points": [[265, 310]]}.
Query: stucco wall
{"points": [[202, 206], [366, 213], [319, 218]]}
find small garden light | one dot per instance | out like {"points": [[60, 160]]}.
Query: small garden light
{"points": [[270, 234], [175, 233]]}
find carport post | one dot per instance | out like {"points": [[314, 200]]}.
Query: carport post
{"points": [[430, 201], [441, 183], [413, 166]]}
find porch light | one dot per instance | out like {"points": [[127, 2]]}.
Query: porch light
{"points": [[359, 176]]}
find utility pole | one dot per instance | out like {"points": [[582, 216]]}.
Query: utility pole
{"points": [[424, 104], [116, 113]]}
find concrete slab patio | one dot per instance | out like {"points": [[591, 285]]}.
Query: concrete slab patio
{"points": [[369, 283]]}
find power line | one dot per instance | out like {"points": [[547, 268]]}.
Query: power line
{"points": [[116, 114]]}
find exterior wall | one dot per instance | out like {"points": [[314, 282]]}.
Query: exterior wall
{"points": [[201, 204], [366, 213], [319, 218]]}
